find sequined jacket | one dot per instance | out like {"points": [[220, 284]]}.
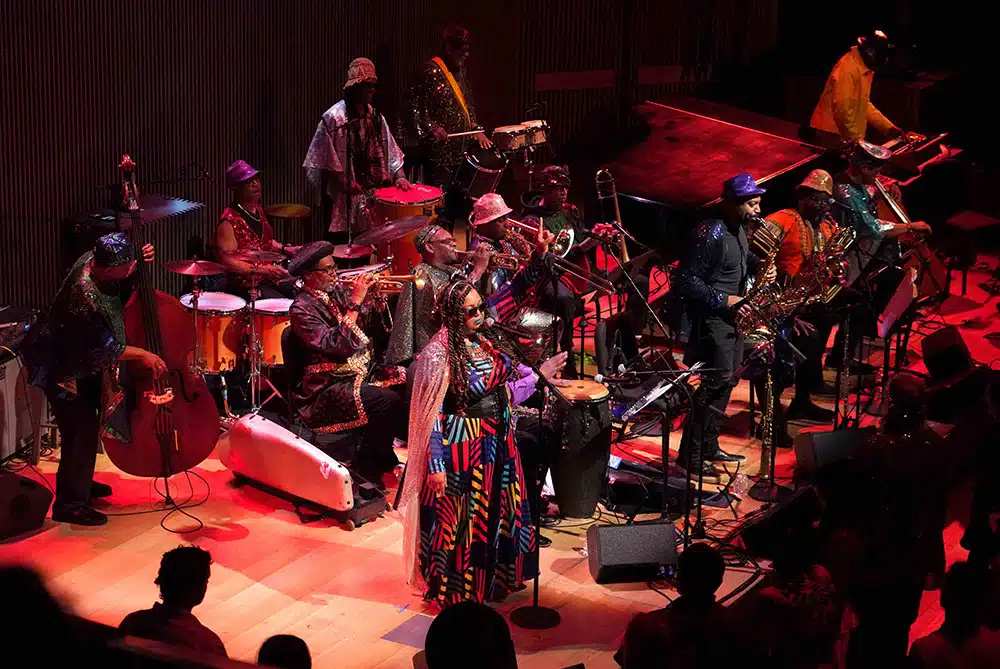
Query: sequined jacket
{"points": [[433, 104], [699, 270], [338, 361], [412, 322]]}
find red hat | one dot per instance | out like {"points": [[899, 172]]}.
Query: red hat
{"points": [[488, 208]]}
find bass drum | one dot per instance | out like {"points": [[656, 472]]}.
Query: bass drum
{"points": [[479, 173]]}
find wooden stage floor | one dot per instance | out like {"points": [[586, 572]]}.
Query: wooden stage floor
{"points": [[343, 592]]}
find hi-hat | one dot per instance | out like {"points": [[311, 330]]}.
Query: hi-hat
{"points": [[351, 251], [287, 210], [265, 257], [194, 267], [391, 231]]}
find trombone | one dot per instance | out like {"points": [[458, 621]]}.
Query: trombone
{"points": [[606, 190]]}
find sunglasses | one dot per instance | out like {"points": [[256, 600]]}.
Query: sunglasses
{"points": [[472, 311]]}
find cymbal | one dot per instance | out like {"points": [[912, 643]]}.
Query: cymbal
{"points": [[391, 231], [194, 267], [351, 251], [286, 210], [261, 257]]}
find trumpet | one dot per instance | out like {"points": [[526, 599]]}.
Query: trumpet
{"points": [[560, 247], [508, 261], [389, 283], [606, 190]]}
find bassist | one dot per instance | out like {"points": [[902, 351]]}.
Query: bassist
{"points": [[72, 353]]}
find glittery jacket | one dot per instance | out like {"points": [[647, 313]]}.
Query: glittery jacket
{"points": [[337, 358], [433, 104], [247, 239], [328, 151], [82, 334], [699, 270]]}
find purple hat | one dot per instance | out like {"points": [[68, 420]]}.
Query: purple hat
{"points": [[741, 187], [238, 173]]}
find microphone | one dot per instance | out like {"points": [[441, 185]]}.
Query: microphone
{"points": [[623, 376], [514, 332]]}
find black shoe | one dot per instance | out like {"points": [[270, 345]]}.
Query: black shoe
{"points": [[99, 490], [543, 541], [708, 473], [721, 456], [806, 410], [80, 515]]}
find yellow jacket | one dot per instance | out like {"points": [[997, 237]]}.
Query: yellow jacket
{"points": [[845, 106]]}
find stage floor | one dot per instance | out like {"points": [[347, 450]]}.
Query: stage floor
{"points": [[343, 592]]}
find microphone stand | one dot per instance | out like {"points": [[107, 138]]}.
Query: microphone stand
{"points": [[533, 616]]}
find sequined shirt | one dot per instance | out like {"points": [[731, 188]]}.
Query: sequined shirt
{"points": [[433, 104], [250, 235], [716, 266]]}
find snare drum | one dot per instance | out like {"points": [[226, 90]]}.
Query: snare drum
{"points": [[580, 469], [480, 171], [510, 137], [271, 319], [535, 132], [391, 204], [220, 329]]}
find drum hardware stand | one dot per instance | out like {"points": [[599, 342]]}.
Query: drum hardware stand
{"points": [[257, 354], [533, 616], [197, 362]]}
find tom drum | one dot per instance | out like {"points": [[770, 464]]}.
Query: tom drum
{"points": [[219, 329]]}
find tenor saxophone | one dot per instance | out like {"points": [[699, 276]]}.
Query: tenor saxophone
{"points": [[756, 322]]}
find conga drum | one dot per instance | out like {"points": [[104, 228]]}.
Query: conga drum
{"points": [[391, 204], [579, 471]]}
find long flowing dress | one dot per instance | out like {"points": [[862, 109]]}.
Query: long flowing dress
{"points": [[476, 541]]}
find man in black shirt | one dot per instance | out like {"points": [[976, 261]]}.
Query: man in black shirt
{"points": [[712, 279]]}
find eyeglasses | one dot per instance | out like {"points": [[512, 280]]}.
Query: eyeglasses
{"points": [[472, 311]]}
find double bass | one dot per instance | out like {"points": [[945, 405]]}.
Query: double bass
{"points": [[174, 420]]}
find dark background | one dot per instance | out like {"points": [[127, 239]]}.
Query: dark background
{"points": [[188, 86]]}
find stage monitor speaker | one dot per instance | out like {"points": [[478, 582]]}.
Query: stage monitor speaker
{"points": [[23, 504], [945, 354], [957, 383], [765, 535], [815, 450], [628, 553]]}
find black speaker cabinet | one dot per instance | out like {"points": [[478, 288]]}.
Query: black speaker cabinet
{"points": [[23, 504], [815, 450], [765, 535], [626, 553]]}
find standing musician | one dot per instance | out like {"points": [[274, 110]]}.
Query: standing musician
{"points": [[244, 227], [340, 390], [845, 109], [857, 205], [712, 280], [413, 324], [72, 353], [352, 126], [440, 104], [806, 230]]}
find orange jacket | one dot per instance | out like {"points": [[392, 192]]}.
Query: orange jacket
{"points": [[797, 244], [845, 106]]}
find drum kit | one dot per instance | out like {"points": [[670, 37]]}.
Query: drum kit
{"points": [[221, 321]]}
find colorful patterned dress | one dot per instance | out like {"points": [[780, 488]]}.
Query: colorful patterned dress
{"points": [[477, 540]]}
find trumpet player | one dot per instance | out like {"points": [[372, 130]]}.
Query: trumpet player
{"points": [[712, 280], [489, 220], [340, 390]]}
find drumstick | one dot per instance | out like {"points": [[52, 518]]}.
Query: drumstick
{"points": [[465, 134]]}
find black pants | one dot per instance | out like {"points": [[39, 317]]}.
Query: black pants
{"points": [[715, 342], [809, 372], [78, 417], [387, 419], [536, 456], [558, 299], [620, 331]]}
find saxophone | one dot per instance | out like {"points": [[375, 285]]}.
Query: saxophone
{"points": [[762, 298], [821, 279]]}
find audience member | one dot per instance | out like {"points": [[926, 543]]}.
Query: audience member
{"points": [[798, 617], [900, 531], [183, 581], [693, 630], [285, 651], [962, 642], [982, 533], [469, 634]]}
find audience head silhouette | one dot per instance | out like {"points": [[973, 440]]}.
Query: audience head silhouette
{"points": [[183, 577], [467, 630], [285, 651], [699, 572], [962, 594]]}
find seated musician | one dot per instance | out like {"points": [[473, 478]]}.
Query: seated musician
{"points": [[712, 280], [72, 353], [806, 230], [857, 205], [244, 227], [413, 325], [489, 222], [845, 109], [340, 390], [353, 125]]}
